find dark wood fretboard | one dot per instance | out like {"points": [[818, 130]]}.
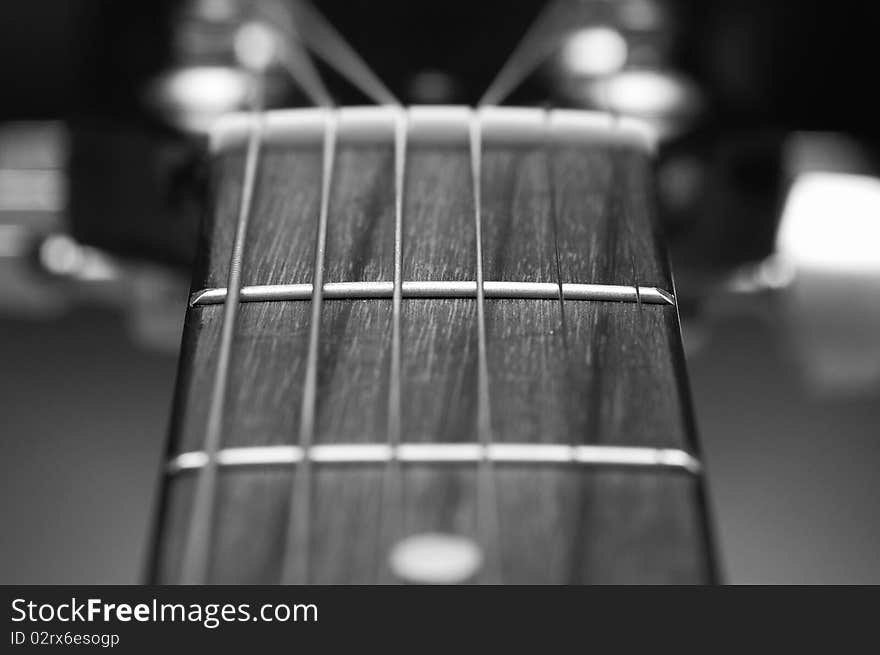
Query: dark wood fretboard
{"points": [[554, 395]]}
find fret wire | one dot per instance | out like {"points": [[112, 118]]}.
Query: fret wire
{"points": [[297, 550], [551, 195], [392, 488], [394, 402], [593, 456], [487, 509], [196, 558], [442, 289]]}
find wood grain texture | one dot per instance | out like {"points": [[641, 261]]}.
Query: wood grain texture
{"points": [[606, 231], [439, 337], [575, 372], [557, 527]]}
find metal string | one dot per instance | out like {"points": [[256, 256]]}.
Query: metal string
{"points": [[542, 38], [614, 190], [327, 43], [392, 491], [547, 148], [293, 56], [299, 65], [538, 43], [295, 567], [196, 558], [487, 508]]}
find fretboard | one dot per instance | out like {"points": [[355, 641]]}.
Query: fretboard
{"points": [[432, 324]]}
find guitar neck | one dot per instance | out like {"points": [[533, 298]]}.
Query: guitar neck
{"points": [[432, 345]]}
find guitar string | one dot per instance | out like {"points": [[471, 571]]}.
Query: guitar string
{"points": [[329, 44], [575, 439], [548, 146], [297, 552], [487, 507], [615, 151], [293, 56], [297, 62], [196, 558], [542, 38], [393, 486], [538, 43]]}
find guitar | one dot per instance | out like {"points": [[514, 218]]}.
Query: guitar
{"points": [[432, 344]]}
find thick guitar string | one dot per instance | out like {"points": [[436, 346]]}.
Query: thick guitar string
{"points": [[487, 507], [297, 554], [196, 558]]}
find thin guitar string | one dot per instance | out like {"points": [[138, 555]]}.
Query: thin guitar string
{"points": [[539, 41], [487, 506], [392, 489], [542, 38], [293, 56], [328, 43], [615, 150], [306, 28], [297, 552], [196, 558], [298, 63], [575, 439], [547, 145]]}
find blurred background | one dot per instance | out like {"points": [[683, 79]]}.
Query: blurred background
{"points": [[768, 187]]}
